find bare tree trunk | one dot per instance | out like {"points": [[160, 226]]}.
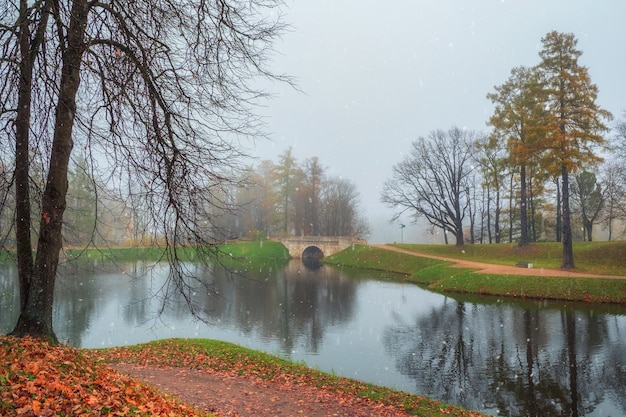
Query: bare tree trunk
{"points": [[36, 316], [497, 230], [511, 210], [532, 203], [489, 235], [559, 216], [568, 251], [31, 320], [472, 215], [523, 240], [458, 234], [22, 159], [588, 229]]}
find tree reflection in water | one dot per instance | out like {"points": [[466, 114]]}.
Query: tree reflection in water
{"points": [[487, 357]]}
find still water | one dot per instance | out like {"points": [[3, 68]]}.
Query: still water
{"points": [[502, 357]]}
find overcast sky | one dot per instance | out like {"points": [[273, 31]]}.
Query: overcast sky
{"points": [[376, 75]]}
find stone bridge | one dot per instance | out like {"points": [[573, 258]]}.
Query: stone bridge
{"points": [[317, 246]]}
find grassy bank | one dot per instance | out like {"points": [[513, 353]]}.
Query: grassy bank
{"points": [[605, 258], [230, 358], [438, 276], [39, 379], [416, 269], [266, 249], [237, 250]]}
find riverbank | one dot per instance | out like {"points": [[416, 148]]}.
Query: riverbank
{"points": [[440, 274], [31, 370], [39, 379]]}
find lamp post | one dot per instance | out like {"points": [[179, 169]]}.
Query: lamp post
{"points": [[402, 226]]}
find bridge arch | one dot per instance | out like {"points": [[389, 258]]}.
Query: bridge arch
{"points": [[312, 252], [327, 245]]}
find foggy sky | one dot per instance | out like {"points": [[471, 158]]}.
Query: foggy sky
{"points": [[376, 75]]}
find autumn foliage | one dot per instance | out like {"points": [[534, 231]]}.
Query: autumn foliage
{"points": [[37, 379]]}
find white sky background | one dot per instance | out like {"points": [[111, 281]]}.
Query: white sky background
{"points": [[376, 75]]}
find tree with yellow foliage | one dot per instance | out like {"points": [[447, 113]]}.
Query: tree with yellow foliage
{"points": [[518, 118], [575, 121]]}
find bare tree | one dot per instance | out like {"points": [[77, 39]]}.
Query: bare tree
{"points": [[614, 180], [619, 141], [432, 180], [613, 177], [339, 214], [588, 196], [157, 94], [491, 159]]}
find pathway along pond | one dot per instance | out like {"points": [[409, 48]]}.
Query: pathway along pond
{"points": [[501, 357]]}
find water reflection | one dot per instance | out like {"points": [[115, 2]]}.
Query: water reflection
{"points": [[515, 361], [291, 303], [9, 297], [518, 358]]}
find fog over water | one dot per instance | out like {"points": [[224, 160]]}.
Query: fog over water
{"points": [[375, 76]]}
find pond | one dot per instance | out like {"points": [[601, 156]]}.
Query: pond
{"points": [[501, 357]]}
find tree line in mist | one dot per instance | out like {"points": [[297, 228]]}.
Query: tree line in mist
{"points": [[548, 169], [289, 197]]}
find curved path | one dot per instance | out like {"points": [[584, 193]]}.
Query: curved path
{"points": [[486, 268], [228, 394]]}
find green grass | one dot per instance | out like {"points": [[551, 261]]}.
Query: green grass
{"points": [[227, 357], [607, 258], [439, 276], [257, 256], [419, 269], [597, 290], [267, 249], [125, 254], [237, 250]]}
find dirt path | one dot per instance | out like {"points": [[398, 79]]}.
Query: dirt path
{"points": [[233, 395], [502, 269]]}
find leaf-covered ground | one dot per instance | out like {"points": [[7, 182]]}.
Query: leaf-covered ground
{"points": [[37, 379]]}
